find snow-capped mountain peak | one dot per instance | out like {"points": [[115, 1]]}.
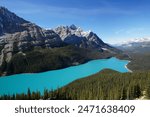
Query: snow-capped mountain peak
{"points": [[76, 36], [73, 27], [64, 31]]}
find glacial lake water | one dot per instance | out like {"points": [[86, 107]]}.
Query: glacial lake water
{"points": [[57, 78]]}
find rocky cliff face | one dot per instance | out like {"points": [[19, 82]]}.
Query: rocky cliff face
{"points": [[17, 34], [9, 22]]}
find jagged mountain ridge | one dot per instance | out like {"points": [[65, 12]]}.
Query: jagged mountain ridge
{"points": [[14, 28], [76, 36]]}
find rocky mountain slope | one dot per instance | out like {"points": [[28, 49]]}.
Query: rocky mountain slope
{"points": [[85, 39], [18, 36]]}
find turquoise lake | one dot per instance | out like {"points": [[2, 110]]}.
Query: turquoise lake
{"points": [[57, 78]]}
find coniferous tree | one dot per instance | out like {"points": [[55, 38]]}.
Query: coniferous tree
{"points": [[46, 94], [123, 93], [29, 94], [137, 91]]}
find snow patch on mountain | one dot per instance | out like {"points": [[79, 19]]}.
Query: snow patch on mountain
{"points": [[65, 31]]}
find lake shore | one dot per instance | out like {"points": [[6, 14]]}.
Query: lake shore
{"points": [[126, 66]]}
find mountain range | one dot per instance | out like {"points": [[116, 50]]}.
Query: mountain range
{"points": [[18, 35], [139, 45], [75, 35]]}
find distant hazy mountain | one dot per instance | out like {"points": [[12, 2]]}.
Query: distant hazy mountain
{"points": [[135, 45]]}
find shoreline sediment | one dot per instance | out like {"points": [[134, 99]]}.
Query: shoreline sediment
{"points": [[128, 68]]}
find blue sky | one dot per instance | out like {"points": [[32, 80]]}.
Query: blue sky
{"points": [[113, 20]]}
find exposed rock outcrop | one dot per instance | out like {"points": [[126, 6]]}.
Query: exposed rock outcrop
{"points": [[17, 34]]}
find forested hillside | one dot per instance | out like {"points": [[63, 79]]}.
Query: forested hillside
{"points": [[39, 59], [105, 85], [139, 61]]}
